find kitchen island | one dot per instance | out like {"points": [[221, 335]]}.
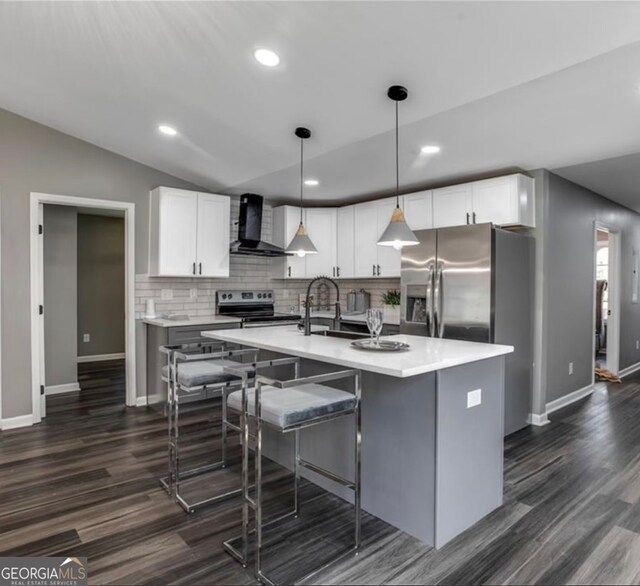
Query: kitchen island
{"points": [[432, 426]]}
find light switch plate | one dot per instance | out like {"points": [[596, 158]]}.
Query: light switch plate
{"points": [[86, 337], [166, 294], [474, 398]]}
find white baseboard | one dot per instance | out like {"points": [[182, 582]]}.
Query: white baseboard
{"points": [[569, 399], [15, 422], [141, 401], [101, 357], [59, 389], [538, 420], [629, 370]]}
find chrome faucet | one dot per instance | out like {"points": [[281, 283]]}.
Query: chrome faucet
{"points": [[307, 304]]}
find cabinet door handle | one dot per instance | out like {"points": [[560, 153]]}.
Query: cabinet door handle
{"points": [[200, 268], [289, 271], [194, 268], [333, 271], [378, 270], [474, 217], [374, 270], [467, 217], [337, 271]]}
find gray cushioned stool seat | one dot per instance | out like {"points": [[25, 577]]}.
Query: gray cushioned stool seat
{"points": [[286, 407], [206, 372]]}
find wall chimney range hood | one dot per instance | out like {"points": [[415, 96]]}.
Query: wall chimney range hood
{"points": [[249, 242]]}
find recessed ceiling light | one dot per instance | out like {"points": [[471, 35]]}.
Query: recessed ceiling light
{"points": [[168, 130], [311, 182], [430, 149], [266, 57]]}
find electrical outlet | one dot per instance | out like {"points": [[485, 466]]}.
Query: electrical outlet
{"points": [[166, 294], [474, 398], [570, 368], [86, 337], [193, 293]]}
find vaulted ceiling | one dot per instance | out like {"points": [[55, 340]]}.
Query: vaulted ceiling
{"points": [[497, 85]]}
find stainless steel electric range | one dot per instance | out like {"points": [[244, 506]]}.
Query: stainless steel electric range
{"points": [[254, 308]]}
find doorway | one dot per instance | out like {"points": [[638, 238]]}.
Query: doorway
{"points": [[606, 314], [89, 207]]}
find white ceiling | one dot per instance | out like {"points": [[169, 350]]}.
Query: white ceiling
{"points": [[499, 85]]}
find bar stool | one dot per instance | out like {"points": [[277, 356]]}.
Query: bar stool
{"points": [[197, 372], [288, 406]]}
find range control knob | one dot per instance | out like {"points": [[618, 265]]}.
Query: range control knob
{"points": [[224, 295], [270, 295], [259, 295], [230, 295]]}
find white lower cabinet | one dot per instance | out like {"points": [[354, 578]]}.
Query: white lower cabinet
{"points": [[188, 233]]}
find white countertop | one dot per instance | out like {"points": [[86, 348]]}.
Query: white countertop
{"points": [[425, 354], [353, 317], [194, 321]]}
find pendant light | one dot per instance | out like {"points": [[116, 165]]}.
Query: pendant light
{"points": [[301, 243], [398, 233]]}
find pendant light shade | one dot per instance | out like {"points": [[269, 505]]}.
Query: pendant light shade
{"points": [[301, 244], [398, 233]]}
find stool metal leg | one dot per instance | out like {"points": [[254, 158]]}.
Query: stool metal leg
{"points": [[358, 462], [296, 471], [258, 481], [224, 428]]}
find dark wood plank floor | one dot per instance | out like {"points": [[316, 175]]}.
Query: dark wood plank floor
{"points": [[84, 483]]}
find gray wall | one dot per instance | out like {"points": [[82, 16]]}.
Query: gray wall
{"points": [[568, 283], [60, 288], [101, 292], [35, 158]]}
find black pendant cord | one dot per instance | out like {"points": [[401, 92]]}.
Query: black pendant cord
{"points": [[301, 174], [397, 163]]}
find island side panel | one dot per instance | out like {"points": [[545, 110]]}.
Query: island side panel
{"points": [[398, 449], [469, 455]]}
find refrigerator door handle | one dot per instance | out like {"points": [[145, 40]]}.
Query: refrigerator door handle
{"points": [[429, 302], [437, 301]]}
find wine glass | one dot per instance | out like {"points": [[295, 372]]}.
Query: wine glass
{"points": [[374, 323]]}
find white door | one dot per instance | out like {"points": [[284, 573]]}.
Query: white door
{"points": [[418, 210], [452, 206], [213, 235], [345, 243], [366, 238], [295, 266], [321, 228], [178, 232], [389, 261], [496, 200]]}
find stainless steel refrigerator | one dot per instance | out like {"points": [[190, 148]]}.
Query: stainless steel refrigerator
{"points": [[475, 283]]}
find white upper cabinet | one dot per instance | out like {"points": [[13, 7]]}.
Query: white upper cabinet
{"points": [[188, 233], [452, 206], [285, 222], [418, 210], [213, 235], [366, 238], [346, 243], [389, 259], [371, 260], [322, 230], [504, 201]]}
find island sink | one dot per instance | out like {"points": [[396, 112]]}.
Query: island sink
{"points": [[340, 334]]}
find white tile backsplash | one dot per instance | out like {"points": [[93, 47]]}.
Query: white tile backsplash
{"points": [[245, 272]]}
